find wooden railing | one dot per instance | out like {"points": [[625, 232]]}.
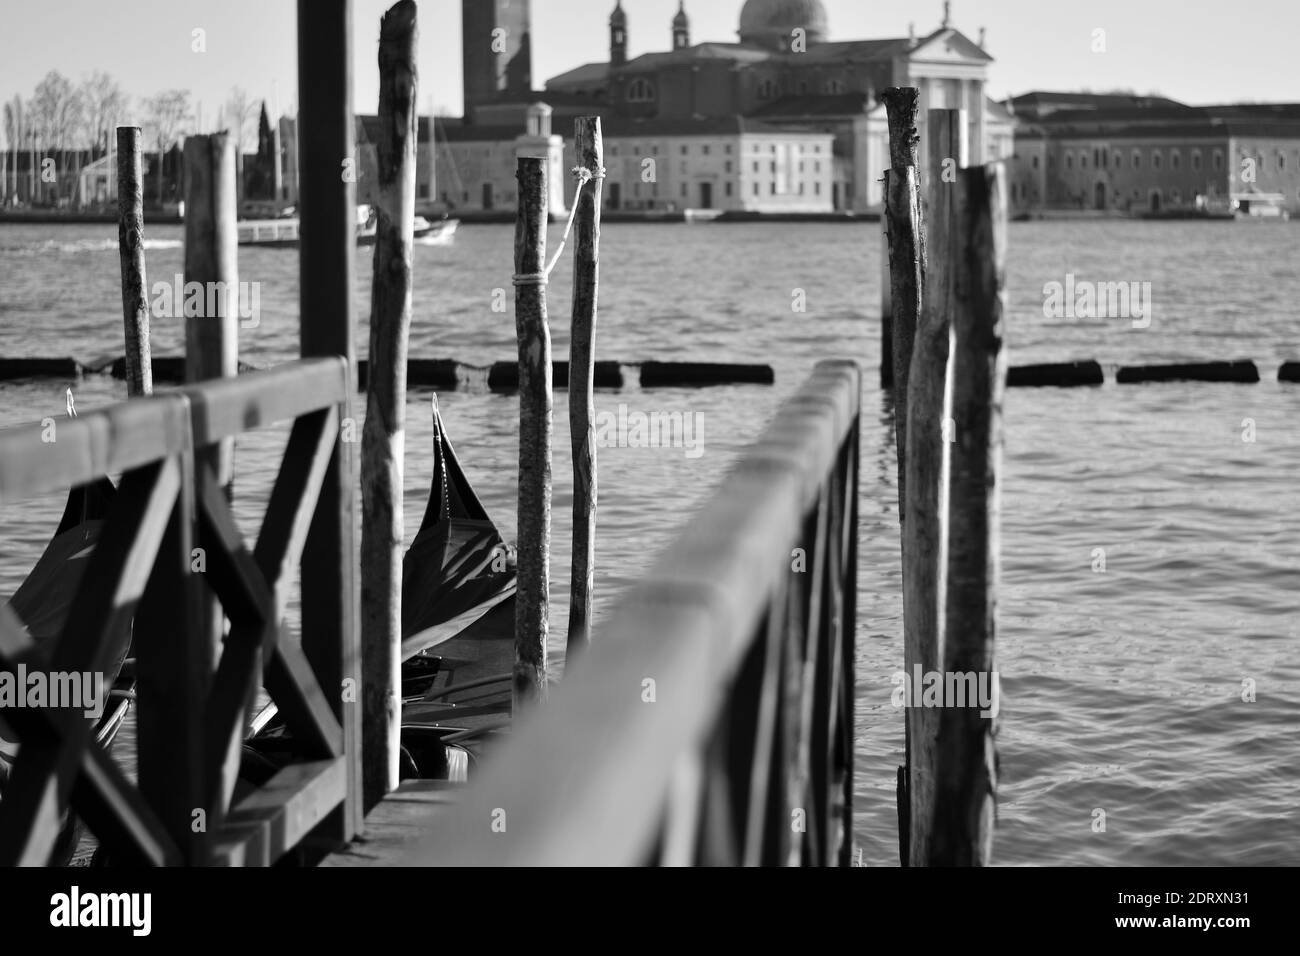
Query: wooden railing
{"points": [[712, 721], [168, 545]]}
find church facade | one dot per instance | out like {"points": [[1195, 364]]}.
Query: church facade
{"points": [[782, 83]]}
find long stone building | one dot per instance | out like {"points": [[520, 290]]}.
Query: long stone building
{"points": [[1122, 154]]}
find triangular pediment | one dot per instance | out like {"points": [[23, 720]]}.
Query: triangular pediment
{"points": [[951, 46]]}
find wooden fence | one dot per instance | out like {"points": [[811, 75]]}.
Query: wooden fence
{"points": [[713, 721], [193, 697]]}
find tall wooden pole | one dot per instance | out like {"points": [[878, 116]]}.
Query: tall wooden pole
{"points": [[384, 436], [130, 247], [532, 607], [966, 772], [886, 305], [925, 534], [328, 213], [905, 242], [212, 337], [590, 150], [211, 349], [901, 106]]}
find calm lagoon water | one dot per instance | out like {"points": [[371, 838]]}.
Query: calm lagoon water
{"points": [[1122, 690]]}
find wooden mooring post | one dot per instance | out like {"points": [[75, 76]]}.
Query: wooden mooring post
{"points": [[211, 260], [590, 149], [905, 244], [327, 266], [966, 756], [532, 607], [130, 244], [929, 432], [383, 437]]}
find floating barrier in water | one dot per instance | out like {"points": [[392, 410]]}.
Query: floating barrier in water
{"points": [[443, 374], [166, 368], [504, 376], [669, 374], [1244, 372], [1289, 372], [11, 369], [1057, 375]]}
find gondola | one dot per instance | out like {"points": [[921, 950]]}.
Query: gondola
{"points": [[458, 606], [42, 602]]}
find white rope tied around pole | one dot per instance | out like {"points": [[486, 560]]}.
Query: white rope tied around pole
{"points": [[584, 176]]}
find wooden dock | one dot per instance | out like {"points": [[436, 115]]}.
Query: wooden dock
{"points": [[710, 722]]}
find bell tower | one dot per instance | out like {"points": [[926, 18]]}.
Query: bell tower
{"points": [[681, 28], [497, 51], [618, 36]]}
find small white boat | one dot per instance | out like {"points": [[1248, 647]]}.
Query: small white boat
{"points": [[285, 232]]}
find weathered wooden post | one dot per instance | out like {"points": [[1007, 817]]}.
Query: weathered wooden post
{"points": [[929, 431], [212, 336], [901, 106], [328, 200], [130, 247], [590, 149], [886, 304], [211, 351], [532, 607], [905, 241], [211, 264], [384, 435], [966, 770]]}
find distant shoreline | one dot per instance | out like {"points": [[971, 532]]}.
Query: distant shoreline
{"points": [[505, 216]]}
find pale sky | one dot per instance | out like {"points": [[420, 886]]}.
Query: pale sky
{"points": [[1199, 51]]}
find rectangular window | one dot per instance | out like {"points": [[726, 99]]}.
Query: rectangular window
{"points": [[817, 188], [773, 189], [686, 150], [755, 189], [728, 190], [684, 193], [705, 149], [728, 165]]}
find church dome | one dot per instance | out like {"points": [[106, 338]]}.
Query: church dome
{"points": [[770, 22]]}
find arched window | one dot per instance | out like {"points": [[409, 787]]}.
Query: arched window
{"points": [[1175, 160], [641, 90]]}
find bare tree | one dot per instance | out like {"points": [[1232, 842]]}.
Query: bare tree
{"points": [[241, 120], [166, 115], [14, 135], [54, 110], [104, 108]]}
